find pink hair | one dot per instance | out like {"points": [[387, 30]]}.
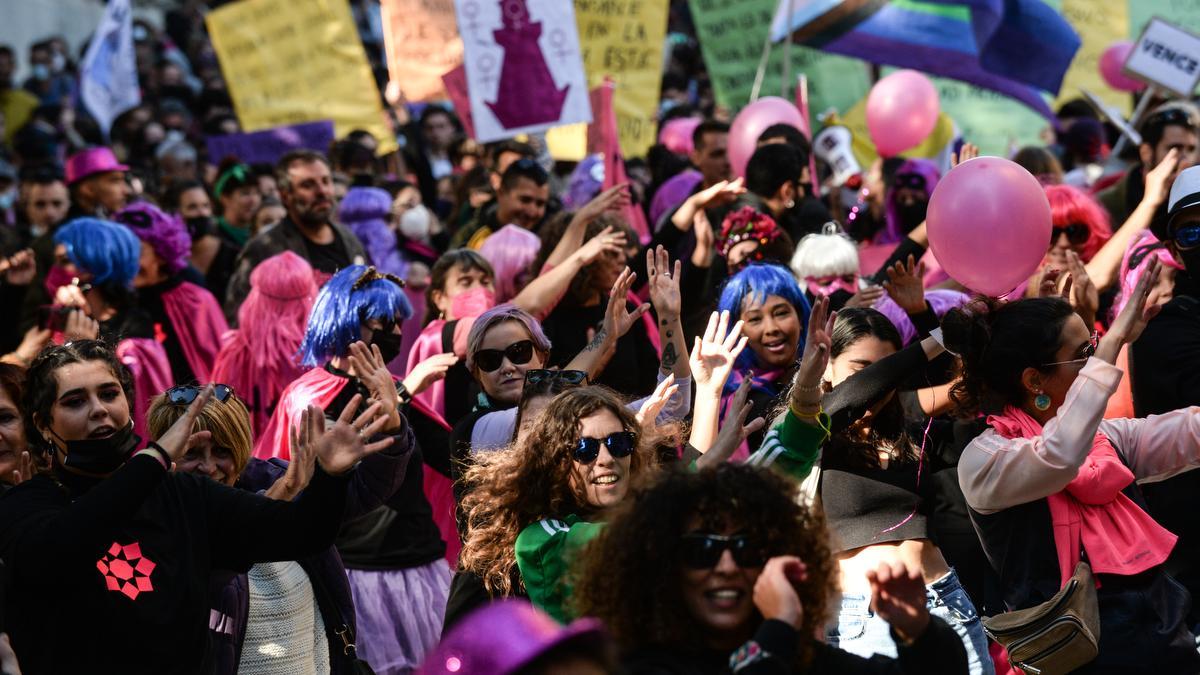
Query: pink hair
{"points": [[1069, 205], [511, 250], [259, 359], [1145, 247]]}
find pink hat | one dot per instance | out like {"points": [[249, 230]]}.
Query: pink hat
{"points": [[90, 162], [506, 636]]}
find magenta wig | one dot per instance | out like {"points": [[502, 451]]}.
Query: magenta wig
{"points": [[1070, 205], [1141, 251], [927, 169], [259, 359], [511, 251], [166, 234], [365, 211]]}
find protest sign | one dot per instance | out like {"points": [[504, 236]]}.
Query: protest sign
{"points": [[108, 82], [1099, 25], [286, 63], [524, 72], [267, 146], [455, 82], [422, 43], [624, 39], [1167, 56], [731, 34]]}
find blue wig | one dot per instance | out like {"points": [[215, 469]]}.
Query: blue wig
{"points": [[108, 251], [340, 310], [754, 284]]}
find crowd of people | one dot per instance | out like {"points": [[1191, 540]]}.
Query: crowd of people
{"points": [[448, 411]]}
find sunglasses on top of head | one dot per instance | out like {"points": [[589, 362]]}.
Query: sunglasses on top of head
{"points": [[703, 551], [620, 444], [518, 354], [185, 394]]}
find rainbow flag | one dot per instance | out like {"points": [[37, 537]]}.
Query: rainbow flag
{"points": [[1019, 48]]}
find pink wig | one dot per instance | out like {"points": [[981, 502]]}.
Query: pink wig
{"points": [[1141, 251], [511, 250], [260, 358], [1070, 205]]}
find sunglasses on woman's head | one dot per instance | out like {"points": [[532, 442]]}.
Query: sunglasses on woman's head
{"points": [[538, 376], [1077, 233], [185, 394], [704, 551], [518, 353], [620, 444]]}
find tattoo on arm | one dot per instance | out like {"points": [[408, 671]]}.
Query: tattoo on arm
{"points": [[598, 340], [669, 356]]}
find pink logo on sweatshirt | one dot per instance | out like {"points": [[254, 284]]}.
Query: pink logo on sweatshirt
{"points": [[126, 570]]}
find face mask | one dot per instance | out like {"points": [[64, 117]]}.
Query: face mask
{"points": [[828, 286], [414, 224], [56, 278], [839, 298], [911, 215], [388, 342], [40, 72], [473, 303], [199, 227], [101, 455], [58, 62], [1191, 263]]}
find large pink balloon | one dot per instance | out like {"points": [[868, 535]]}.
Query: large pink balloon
{"points": [[677, 134], [751, 122], [989, 224], [902, 110], [1110, 64]]}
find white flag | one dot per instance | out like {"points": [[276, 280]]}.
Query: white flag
{"points": [[108, 80]]}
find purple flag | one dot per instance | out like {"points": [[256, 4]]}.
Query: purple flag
{"points": [[268, 145]]}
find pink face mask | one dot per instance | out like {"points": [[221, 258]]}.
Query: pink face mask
{"points": [[827, 286], [56, 278], [473, 302]]}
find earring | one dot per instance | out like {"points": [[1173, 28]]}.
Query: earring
{"points": [[791, 203], [441, 315], [1041, 401]]}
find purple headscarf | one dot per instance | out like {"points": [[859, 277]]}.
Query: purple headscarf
{"points": [[365, 210], [166, 234], [925, 168], [940, 301]]}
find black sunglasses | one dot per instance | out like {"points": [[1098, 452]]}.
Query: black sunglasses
{"points": [[620, 444], [909, 180], [518, 353], [1187, 237], [1077, 233], [185, 394], [538, 376], [704, 551]]}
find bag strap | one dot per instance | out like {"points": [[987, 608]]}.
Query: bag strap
{"points": [[344, 631]]}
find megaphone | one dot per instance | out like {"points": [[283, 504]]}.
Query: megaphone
{"points": [[833, 147]]}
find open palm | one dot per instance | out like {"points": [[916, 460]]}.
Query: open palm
{"points": [[713, 355]]}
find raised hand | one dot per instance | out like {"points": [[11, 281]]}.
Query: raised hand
{"points": [[866, 297], [607, 241], [370, 369], [24, 470], [617, 318], [179, 437], [653, 405], [734, 431], [1132, 320], [613, 199], [664, 283], [1080, 291], [80, 326], [35, 338], [428, 371], [1159, 179], [341, 447], [806, 389], [302, 462], [713, 355], [19, 269], [720, 194], [898, 597], [969, 151], [906, 286], [775, 592]]}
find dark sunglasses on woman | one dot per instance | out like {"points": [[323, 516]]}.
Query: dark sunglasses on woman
{"points": [[703, 551], [518, 354], [185, 394], [1077, 233], [620, 444]]}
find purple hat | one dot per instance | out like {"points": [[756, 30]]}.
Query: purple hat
{"points": [[90, 162], [505, 636]]}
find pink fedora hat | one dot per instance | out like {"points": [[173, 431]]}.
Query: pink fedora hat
{"points": [[90, 162]]}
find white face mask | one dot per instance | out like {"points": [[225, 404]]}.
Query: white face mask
{"points": [[415, 222]]}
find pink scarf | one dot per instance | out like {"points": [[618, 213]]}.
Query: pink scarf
{"points": [[199, 325], [147, 363], [1093, 513]]}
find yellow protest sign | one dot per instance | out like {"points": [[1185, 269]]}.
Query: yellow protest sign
{"points": [[422, 41], [1099, 24], [289, 61], [624, 39]]}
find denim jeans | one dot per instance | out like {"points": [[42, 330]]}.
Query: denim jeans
{"points": [[860, 631]]}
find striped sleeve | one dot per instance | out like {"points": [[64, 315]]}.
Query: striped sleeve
{"points": [[544, 553], [792, 446]]}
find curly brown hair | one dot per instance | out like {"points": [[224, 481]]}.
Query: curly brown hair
{"points": [[629, 575], [531, 481]]}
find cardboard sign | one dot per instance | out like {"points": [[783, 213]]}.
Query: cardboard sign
{"points": [[422, 43], [524, 71], [266, 147], [1167, 56]]}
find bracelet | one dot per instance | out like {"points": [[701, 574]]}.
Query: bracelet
{"points": [[815, 387], [805, 414], [404, 395], [156, 451]]}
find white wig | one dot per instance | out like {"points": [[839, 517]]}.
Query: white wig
{"points": [[828, 254]]}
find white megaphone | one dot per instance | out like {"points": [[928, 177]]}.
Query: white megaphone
{"points": [[832, 146]]}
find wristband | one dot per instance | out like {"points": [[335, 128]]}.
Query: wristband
{"points": [[402, 392], [156, 451]]}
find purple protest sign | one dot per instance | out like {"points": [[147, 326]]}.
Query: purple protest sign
{"points": [[268, 145]]}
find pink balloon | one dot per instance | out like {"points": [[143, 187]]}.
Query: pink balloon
{"points": [[751, 122], [677, 134], [902, 110], [1110, 64], [989, 224]]}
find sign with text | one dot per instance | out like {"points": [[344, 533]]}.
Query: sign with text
{"points": [[422, 43], [286, 63], [1167, 56], [524, 72], [267, 146]]}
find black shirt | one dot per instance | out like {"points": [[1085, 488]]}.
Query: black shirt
{"points": [[327, 258], [631, 371]]}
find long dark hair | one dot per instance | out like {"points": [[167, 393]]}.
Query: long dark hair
{"points": [[997, 342], [41, 385]]}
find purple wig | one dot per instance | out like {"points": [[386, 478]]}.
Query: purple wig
{"points": [[166, 234], [584, 183], [940, 301], [365, 210], [511, 251], [927, 169]]}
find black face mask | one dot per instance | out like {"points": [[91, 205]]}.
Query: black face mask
{"points": [[1191, 264], [838, 299], [911, 215], [388, 343], [101, 455], [200, 226]]}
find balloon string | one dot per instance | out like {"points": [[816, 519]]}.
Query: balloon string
{"points": [[920, 463]]}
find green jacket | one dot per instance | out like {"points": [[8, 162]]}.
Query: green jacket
{"points": [[546, 549]]}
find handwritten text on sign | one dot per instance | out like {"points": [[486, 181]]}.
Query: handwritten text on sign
{"points": [[422, 44], [1168, 56]]}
